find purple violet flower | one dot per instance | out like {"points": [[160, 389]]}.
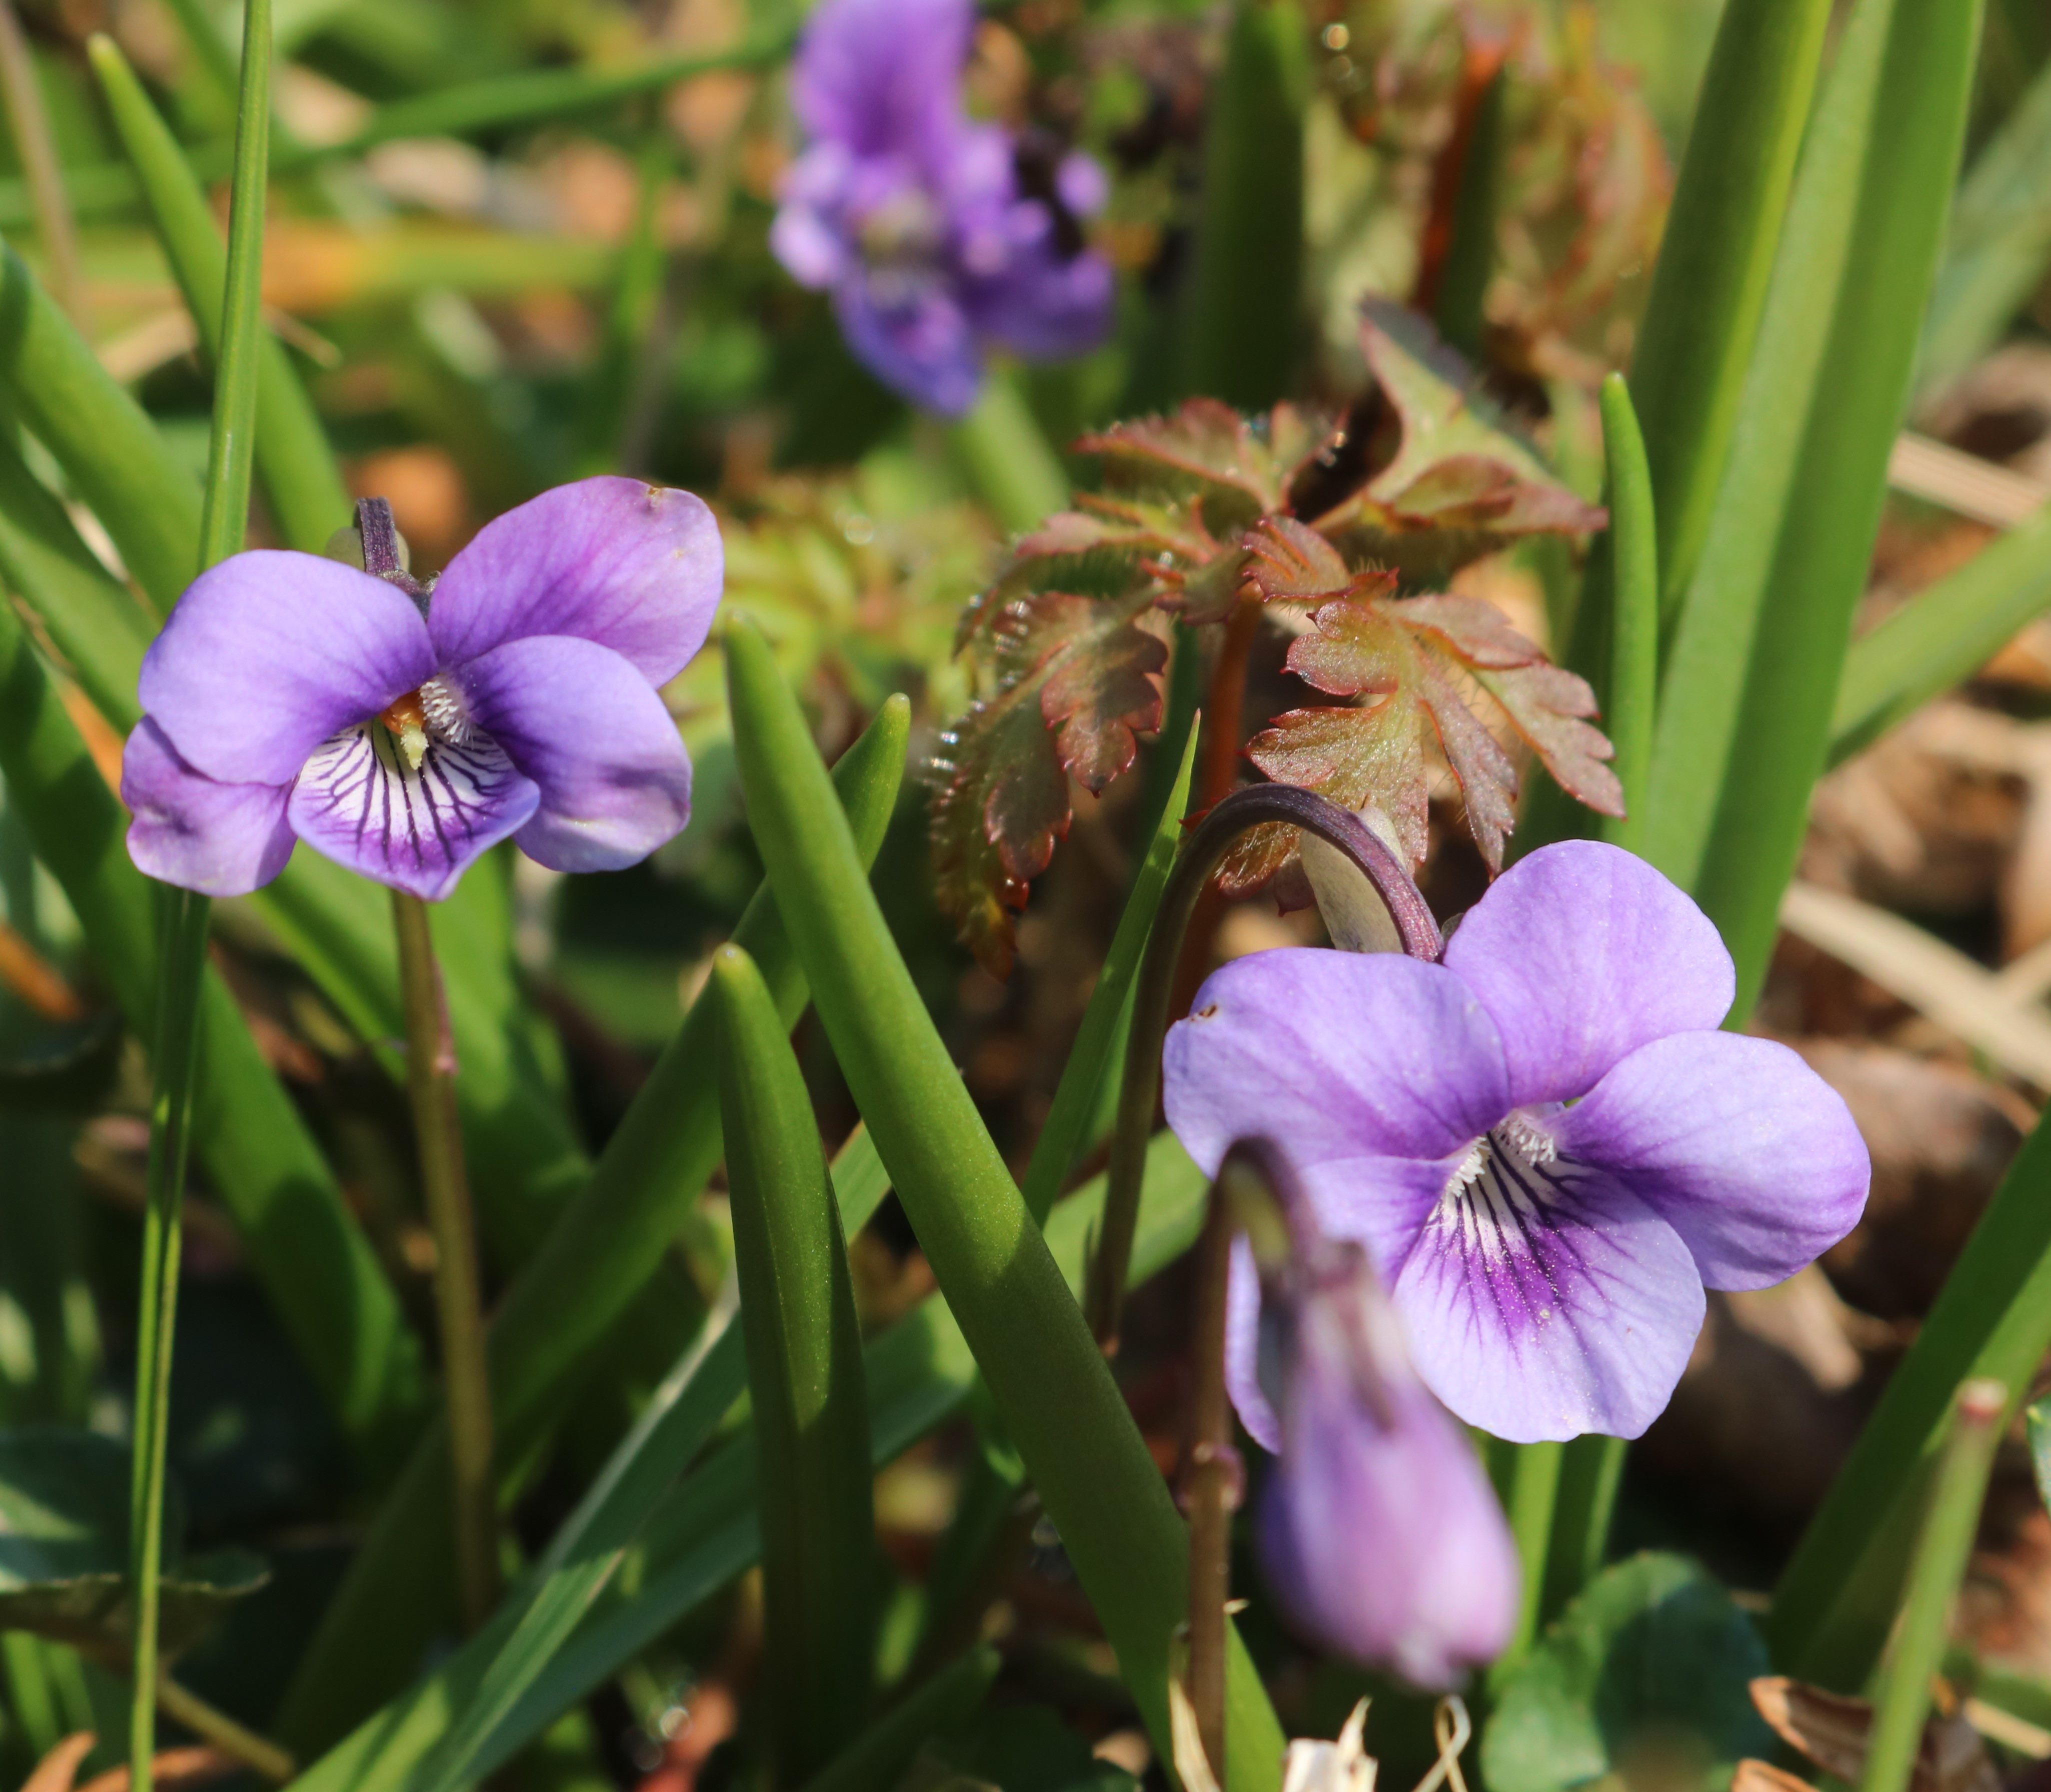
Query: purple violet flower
{"points": [[1377, 1530], [934, 233], [292, 697], [1543, 1141]]}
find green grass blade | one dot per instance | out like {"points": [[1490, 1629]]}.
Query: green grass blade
{"points": [[1826, 527], [1633, 691], [92, 618], [585, 1553], [549, 1325], [182, 970], [1902, 1701], [1470, 254], [301, 482], [1010, 465], [1062, 1408], [1997, 246], [51, 380], [1716, 259], [1242, 332], [1838, 1593], [1718, 617], [804, 1379], [700, 1535], [1943, 634], [1079, 1097], [322, 1276], [873, 1761]]}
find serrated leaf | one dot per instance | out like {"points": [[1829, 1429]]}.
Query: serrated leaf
{"points": [[1287, 563], [1162, 543], [1236, 470], [1458, 485], [1423, 658], [1077, 678]]}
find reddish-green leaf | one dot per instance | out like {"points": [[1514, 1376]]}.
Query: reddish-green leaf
{"points": [[1452, 483], [1421, 661], [1076, 677]]}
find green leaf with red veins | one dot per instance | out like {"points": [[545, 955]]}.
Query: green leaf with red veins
{"points": [[1457, 485], [1160, 541], [1077, 677], [1421, 659], [1287, 563], [1238, 471]]}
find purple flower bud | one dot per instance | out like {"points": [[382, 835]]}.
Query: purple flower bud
{"points": [[1379, 1532]]}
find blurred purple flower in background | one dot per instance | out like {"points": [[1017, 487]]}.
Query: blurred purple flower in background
{"points": [[1543, 1142], [293, 697], [934, 233], [1378, 1530]]}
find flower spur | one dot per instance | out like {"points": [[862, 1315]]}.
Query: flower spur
{"points": [[1543, 1140], [402, 732]]}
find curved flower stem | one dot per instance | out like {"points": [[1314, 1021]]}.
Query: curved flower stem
{"points": [[1256, 1192], [218, 1727], [1224, 706], [224, 522], [459, 1308], [1203, 851]]}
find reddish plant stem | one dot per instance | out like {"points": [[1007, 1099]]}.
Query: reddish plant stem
{"points": [[1483, 61], [1224, 707]]}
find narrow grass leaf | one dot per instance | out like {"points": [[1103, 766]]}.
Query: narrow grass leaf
{"points": [[1060, 1404], [1243, 327], [182, 969], [1942, 635], [805, 1393], [549, 1325], [1633, 690], [1824, 531], [1902, 1700], [51, 380], [697, 1537], [322, 1278], [1839, 1592], [1997, 246], [1079, 1096], [873, 1761], [300, 481], [1716, 259], [1716, 619]]}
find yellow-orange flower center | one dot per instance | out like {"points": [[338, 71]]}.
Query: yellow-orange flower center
{"points": [[407, 719]]}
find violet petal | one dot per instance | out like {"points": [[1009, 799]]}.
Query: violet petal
{"points": [[1583, 953], [575, 718], [1337, 1055], [222, 840], [634, 567], [912, 335], [1743, 1149], [881, 75], [269, 653], [1572, 1313], [361, 804]]}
